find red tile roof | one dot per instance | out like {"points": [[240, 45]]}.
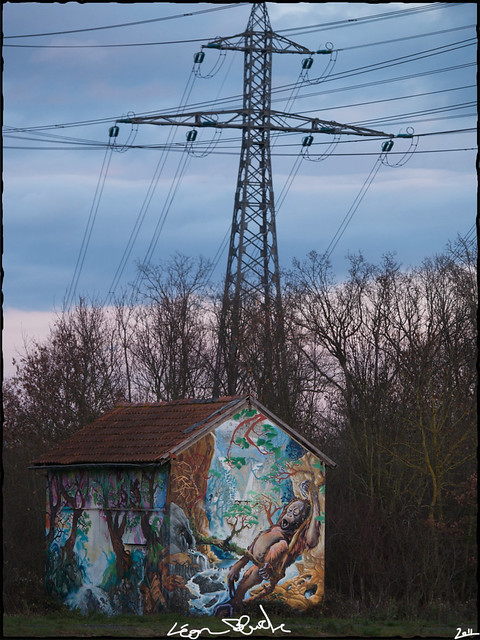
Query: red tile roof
{"points": [[134, 432]]}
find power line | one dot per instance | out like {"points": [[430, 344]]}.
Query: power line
{"points": [[225, 101], [351, 212], [469, 236], [8, 130], [305, 29], [298, 30], [104, 46], [128, 24], [92, 144], [170, 197], [194, 40], [394, 99], [89, 228], [384, 81], [357, 154], [421, 118], [382, 159], [412, 57], [406, 38], [406, 115], [229, 99], [180, 172], [349, 22], [148, 198], [384, 119], [278, 90]]}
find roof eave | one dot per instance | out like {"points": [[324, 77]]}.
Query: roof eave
{"points": [[40, 466]]}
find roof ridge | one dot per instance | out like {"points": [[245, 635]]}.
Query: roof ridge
{"points": [[183, 401], [232, 400]]}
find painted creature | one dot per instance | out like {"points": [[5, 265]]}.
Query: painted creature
{"points": [[274, 550]]}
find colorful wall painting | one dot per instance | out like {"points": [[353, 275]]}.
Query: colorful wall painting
{"points": [[256, 514], [104, 549], [235, 519]]}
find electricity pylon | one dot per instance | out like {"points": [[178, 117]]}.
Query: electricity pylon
{"points": [[252, 282]]}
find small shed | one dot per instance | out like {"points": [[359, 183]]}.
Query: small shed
{"points": [[198, 506]]}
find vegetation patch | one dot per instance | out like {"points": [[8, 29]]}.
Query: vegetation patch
{"points": [[71, 624]]}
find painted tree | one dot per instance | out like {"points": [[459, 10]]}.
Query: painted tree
{"points": [[241, 515], [145, 490], [68, 494], [111, 492], [74, 489], [54, 503]]}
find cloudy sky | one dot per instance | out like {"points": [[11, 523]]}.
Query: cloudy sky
{"points": [[78, 216]]}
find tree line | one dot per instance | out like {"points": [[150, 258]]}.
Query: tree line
{"points": [[381, 375]]}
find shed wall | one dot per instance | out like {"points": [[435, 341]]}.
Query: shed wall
{"points": [[226, 491], [104, 537]]}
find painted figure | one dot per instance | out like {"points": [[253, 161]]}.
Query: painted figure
{"points": [[274, 550]]}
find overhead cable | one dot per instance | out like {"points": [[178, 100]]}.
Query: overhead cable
{"points": [[391, 99], [208, 146], [128, 24], [70, 296], [349, 22], [234, 153], [331, 25], [147, 200], [381, 160], [193, 40], [374, 83], [225, 101]]}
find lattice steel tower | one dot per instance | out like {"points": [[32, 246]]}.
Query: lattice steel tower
{"points": [[253, 278], [251, 311]]}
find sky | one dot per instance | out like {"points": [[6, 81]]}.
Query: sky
{"points": [[79, 215]]}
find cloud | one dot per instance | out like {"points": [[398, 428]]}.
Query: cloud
{"points": [[49, 193], [19, 329]]}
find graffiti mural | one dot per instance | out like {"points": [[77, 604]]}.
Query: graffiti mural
{"points": [[104, 548], [236, 518], [254, 502]]}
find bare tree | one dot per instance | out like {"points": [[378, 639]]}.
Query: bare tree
{"points": [[171, 351], [396, 354], [69, 379]]}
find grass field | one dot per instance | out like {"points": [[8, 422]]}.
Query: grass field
{"points": [[71, 624]]}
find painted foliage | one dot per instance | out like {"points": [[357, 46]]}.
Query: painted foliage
{"points": [[236, 518], [253, 501]]}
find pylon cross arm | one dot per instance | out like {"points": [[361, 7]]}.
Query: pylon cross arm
{"points": [[241, 118], [277, 44]]}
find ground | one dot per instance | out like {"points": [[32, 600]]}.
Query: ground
{"points": [[71, 624]]}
